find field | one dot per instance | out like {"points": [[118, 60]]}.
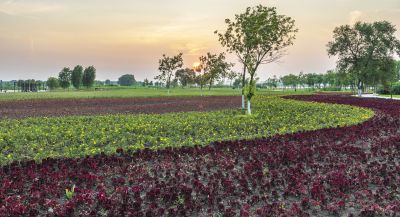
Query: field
{"points": [[297, 155], [119, 93], [129, 92]]}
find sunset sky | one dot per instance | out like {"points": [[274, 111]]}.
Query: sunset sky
{"points": [[39, 37]]}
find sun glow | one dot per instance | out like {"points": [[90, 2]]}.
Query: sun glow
{"points": [[196, 64]]}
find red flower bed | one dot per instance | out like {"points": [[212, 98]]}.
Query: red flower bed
{"points": [[61, 107], [347, 171]]}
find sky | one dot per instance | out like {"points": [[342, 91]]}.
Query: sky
{"points": [[40, 37]]}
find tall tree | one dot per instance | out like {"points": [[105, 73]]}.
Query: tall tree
{"points": [[215, 67], [185, 76], [89, 74], [76, 76], [52, 83], [126, 80], [258, 36], [361, 47], [167, 66], [290, 80], [64, 77]]}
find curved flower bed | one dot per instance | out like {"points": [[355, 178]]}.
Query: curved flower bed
{"points": [[330, 172]]}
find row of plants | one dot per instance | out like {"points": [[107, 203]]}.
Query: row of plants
{"points": [[79, 136], [344, 171], [137, 105]]}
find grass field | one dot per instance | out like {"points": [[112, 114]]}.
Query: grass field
{"points": [[132, 92]]}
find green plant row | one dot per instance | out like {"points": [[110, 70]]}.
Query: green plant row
{"points": [[77, 136]]}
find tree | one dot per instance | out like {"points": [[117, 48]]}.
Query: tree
{"points": [[310, 79], [362, 48], [232, 75], [126, 80], [185, 76], [290, 81], [107, 82], [146, 82], [76, 76], [64, 77], [167, 65], [52, 83], [272, 82], [258, 36], [215, 67], [89, 74]]}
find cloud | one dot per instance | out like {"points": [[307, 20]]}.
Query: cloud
{"points": [[354, 16], [18, 8]]}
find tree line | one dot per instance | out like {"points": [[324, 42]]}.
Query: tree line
{"points": [[257, 36], [211, 68], [380, 81], [77, 77]]}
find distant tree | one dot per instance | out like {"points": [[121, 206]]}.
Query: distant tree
{"points": [[107, 82], [232, 77], [272, 82], [98, 83], [331, 78], [237, 82], [76, 76], [185, 76], [215, 67], [146, 82], [126, 80], [362, 48], [258, 36], [310, 79], [167, 65], [64, 77], [89, 74], [151, 83], [319, 79], [52, 83], [290, 80]]}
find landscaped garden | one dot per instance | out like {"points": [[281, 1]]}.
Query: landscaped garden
{"points": [[289, 157], [210, 139]]}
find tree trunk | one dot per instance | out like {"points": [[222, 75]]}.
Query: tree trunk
{"points": [[359, 88], [243, 84], [248, 107], [243, 106]]}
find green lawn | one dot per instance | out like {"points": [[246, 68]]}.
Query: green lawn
{"points": [[388, 95], [130, 92], [77, 136]]}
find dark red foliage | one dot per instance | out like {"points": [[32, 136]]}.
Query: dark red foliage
{"points": [[350, 171], [61, 107]]}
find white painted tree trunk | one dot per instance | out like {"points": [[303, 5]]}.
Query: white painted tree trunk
{"points": [[248, 107], [359, 92], [243, 106]]}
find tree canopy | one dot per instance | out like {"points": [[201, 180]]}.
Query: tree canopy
{"points": [[167, 66], [52, 83], [363, 49], [185, 76], [64, 77], [258, 36], [76, 76], [126, 80], [89, 75], [215, 67]]}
